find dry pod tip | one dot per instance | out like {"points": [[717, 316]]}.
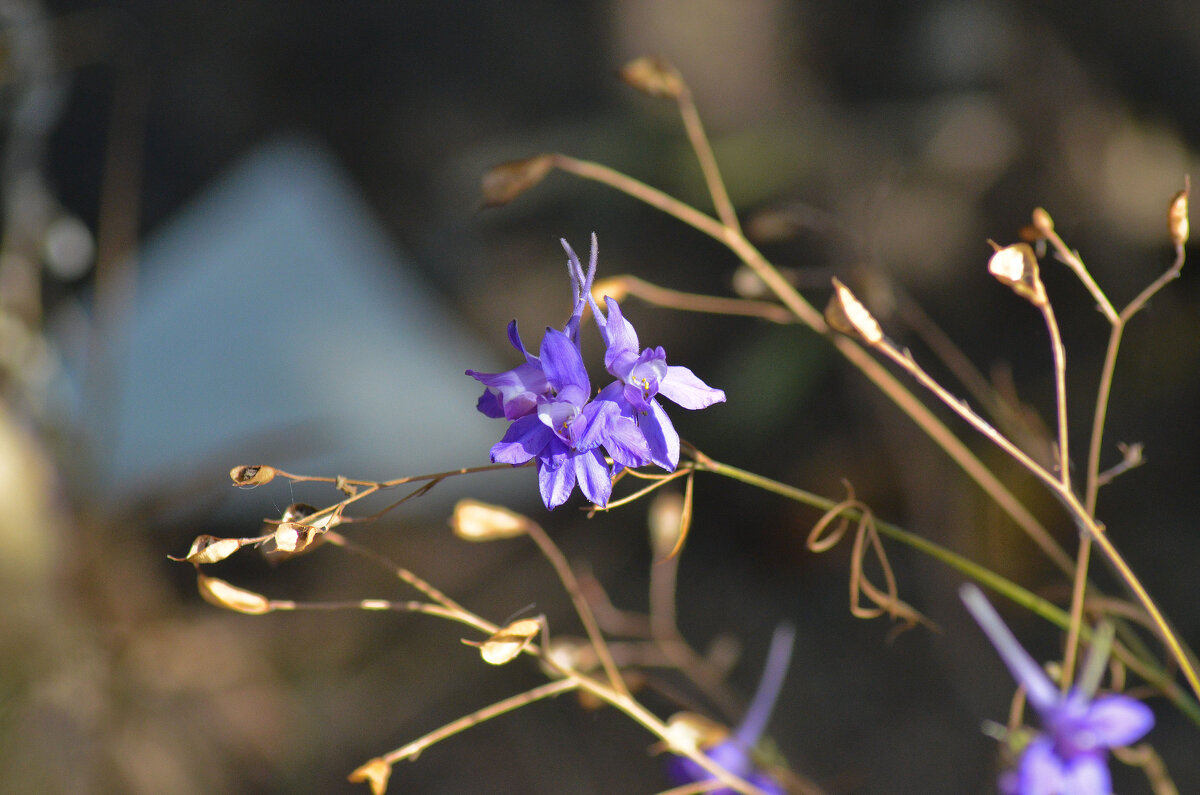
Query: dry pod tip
{"points": [[655, 76], [847, 314], [248, 476]]}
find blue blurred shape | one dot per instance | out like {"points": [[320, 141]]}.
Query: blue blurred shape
{"points": [[276, 324]]}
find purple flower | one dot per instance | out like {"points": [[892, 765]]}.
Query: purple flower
{"points": [[643, 376], [1070, 756], [546, 398], [565, 431], [735, 753]]}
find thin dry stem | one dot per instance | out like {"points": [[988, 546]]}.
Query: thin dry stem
{"points": [[695, 302], [1078, 594], [708, 162], [1007, 415], [413, 750], [1060, 393], [886, 600], [659, 482], [1073, 261], [1099, 419], [1083, 520], [337, 539], [554, 555], [1144, 756]]}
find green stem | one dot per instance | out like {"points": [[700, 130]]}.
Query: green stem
{"points": [[1148, 670]]}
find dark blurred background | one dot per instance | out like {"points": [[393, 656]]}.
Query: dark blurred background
{"points": [[885, 143]]}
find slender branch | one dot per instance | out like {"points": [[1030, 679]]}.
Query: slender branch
{"points": [[708, 162], [1060, 393], [1073, 261], [695, 302], [337, 539], [1083, 519], [413, 750], [1099, 419], [1078, 597], [553, 554]]}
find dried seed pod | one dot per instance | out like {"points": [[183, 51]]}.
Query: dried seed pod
{"points": [[293, 536], [223, 594], [506, 644], [210, 549], [375, 773], [297, 512], [655, 76], [1177, 217], [846, 314], [505, 182], [666, 523], [295, 533], [252, 475], [1042, 222], [572, 654], [690, 731], [477, 521], [1017, 267]]}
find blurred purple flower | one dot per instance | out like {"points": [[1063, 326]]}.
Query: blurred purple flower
{"points": [[1071, 756], [736, 752]]}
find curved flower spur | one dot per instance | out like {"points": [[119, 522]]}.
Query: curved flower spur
{"points": [[554, 418], [738, 751]]}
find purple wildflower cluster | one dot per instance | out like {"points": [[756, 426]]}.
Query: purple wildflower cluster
{"points": [[1071, 756], [555, 418]]}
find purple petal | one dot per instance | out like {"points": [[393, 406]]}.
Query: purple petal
{"points": [[514, 339], [556, 485], [1041, 771], [636, 398], [598, 416], [1117, 720], [563, 363], [1042, 693], [524, 439], [682, 387], [593, 475], [774, 672], [626, 443], [580, 284], [563, 418], [620, 339], [488, 404], [642, 377], [516, 391], [661, 436], [1086, 774]]}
